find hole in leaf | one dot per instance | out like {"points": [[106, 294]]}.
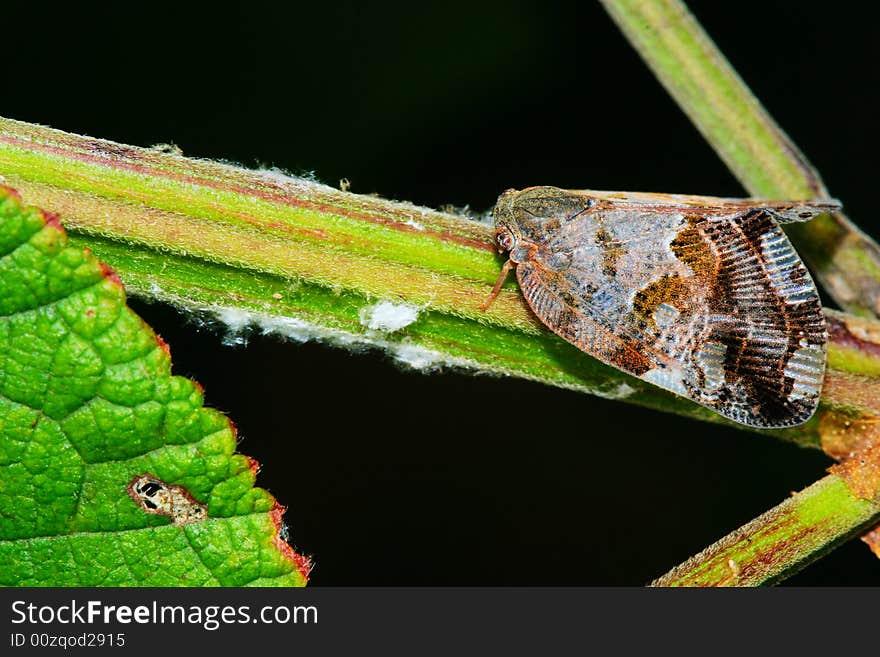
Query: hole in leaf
{"points": [[155, 496]]}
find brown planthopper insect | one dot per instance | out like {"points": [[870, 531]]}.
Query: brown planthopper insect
{"points": [[699, 295]]}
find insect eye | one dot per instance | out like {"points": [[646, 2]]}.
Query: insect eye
{"points": [[504, 239]]}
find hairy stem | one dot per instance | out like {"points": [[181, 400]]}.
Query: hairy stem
{"points": [[781, 541], [311, 262], [748, 140], [218, 238]]}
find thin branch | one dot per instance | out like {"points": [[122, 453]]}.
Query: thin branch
{"points": [[780, 542], [745, 136]]}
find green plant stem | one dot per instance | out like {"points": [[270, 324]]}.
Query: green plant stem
{"points": [[218, 238], [781, 541], [748, 140], [308, 260]]}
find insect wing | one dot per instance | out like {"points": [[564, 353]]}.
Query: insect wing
{"points": [[708, 301], [712, 206]]}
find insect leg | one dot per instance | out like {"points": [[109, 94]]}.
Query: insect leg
{"points": [[505, 270]]}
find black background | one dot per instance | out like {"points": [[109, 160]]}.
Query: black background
{"points": [[393, 477]]}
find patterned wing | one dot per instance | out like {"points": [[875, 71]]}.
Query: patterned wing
{"points": [[718, 309], [761, 358], [715, 206]]}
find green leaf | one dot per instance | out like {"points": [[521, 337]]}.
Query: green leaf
{"points": [[87, 405]]}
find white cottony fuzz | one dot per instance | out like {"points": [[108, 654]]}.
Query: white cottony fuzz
{"points": [[236, 321], [381, 318], [417, 357], [388, 317], [414, 224], [287, 327], [240, 322], [620, 391], [280, 175], [293, 184]]}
